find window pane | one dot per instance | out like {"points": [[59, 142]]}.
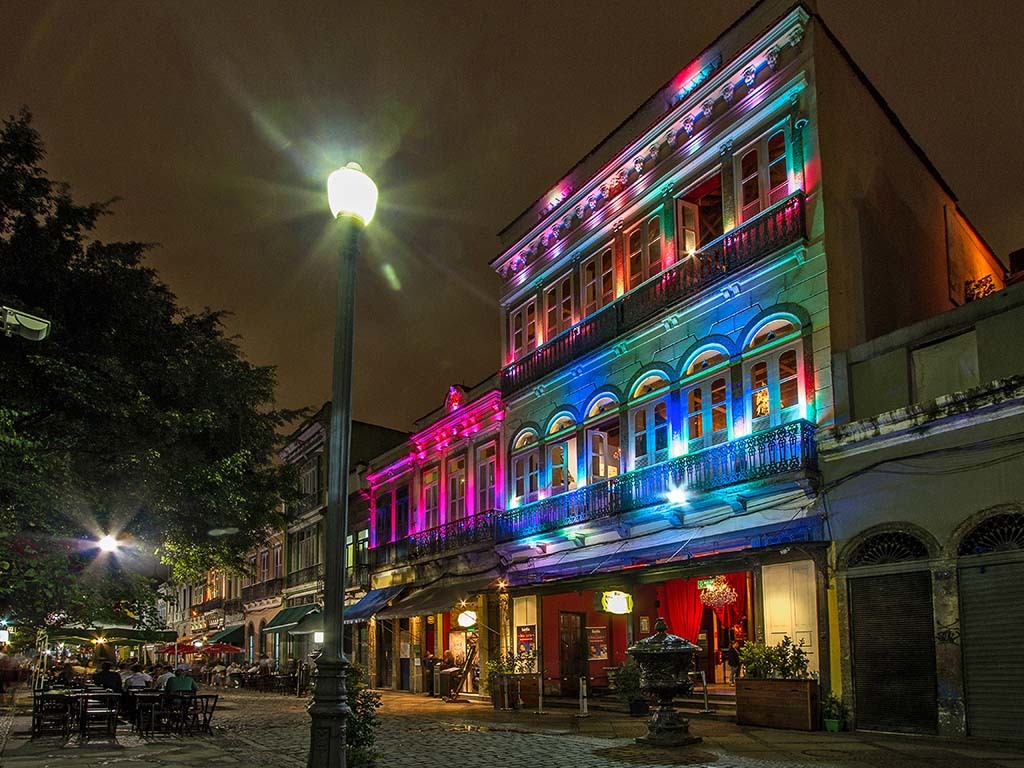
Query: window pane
{"points": [[660, 426], [636, 260], [788, 389], [639, 434], [607, 277], [750, 192], [654, 246], [718, 405], [748, 165], [776, 146], [759, 405]]}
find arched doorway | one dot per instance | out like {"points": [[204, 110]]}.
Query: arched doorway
{"points": [[892, 633], [991, 578]]}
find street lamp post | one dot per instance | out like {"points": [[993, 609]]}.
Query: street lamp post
{"points": [[353, 199]]}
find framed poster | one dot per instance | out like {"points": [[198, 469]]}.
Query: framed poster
{"points": [[645, 625], [597, 643], [526, 638]]}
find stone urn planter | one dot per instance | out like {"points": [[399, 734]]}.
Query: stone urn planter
{"points": [[664, 662]]}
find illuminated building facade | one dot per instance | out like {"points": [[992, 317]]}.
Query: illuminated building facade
{"points": [[672, 307]]}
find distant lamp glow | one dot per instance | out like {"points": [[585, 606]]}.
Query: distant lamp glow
{"points": [[350, 192], [676, 495], [100, 640], [198, 644], [467, 619], [108, 543], [616, 602], [318, 638], [5, 636]]}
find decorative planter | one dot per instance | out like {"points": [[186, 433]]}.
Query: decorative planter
{"points": [[521, 691], [639, 707], [832, 726], [789, 704], [664, 661]]}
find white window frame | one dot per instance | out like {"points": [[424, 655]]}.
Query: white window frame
{"points": [[456, 481], [776, 414], [647, 269], [767, 195], [567, 444], [528, 340], [526, 475], [486, 477], [559, 309], [603, 283], [709, 436], [652, 454], [431, 498]]}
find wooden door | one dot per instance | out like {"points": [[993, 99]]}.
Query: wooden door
{"points": [[572, 651]]}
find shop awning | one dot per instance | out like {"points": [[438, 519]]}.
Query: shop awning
{"points": [[439, 598], [372, 602], [234, 635], [287, 618]]}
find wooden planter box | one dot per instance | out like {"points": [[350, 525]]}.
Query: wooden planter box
{"points": [[519, 686], [777, 703]]}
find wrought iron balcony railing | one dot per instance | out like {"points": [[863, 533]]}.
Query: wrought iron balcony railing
{"points": [[307, 503], [304, 576], [779, 226], [210, 605], [262, 590], [467, 531], [784, 449], [767, 454]]}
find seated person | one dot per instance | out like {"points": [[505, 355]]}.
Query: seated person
{"points": [[234, 674], [166, 673], [180, 683], [138, 678], [108, 678]]}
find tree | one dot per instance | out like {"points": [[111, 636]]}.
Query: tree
{"points": [[134, 415]]}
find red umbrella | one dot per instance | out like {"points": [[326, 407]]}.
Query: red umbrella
{"points": [[214, 648]]}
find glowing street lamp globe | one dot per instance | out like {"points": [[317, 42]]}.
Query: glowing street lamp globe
{"points": [[107, 544], [350, 192]]}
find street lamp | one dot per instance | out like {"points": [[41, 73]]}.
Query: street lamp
{"points": [[352, 196], [108, 543], [14, 321]]}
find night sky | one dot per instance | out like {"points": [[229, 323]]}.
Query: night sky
{"points": [[217, 124]]}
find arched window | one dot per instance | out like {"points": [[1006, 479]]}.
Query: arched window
{"points": [[773, 381], [709, 358], [603, 404], [888, 547], [649, 384], [561, 454], [999, 533], [525, 465]]}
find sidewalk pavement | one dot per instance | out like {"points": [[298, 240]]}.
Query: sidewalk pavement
{"points": [[252, 728]]}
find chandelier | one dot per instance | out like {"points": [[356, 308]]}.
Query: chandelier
{"points": [[718, 593]]}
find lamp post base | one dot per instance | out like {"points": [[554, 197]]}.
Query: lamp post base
{"points": [[328, 712]]}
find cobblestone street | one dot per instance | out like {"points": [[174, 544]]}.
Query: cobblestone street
{"points": [[271, 730]]}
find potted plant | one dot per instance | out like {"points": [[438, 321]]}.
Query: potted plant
{"points": [[625, 680], [834, 713], [777, 689], [511, 680]]}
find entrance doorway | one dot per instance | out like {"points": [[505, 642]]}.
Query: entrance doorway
{"points": [[572, 651], [385, 653]]}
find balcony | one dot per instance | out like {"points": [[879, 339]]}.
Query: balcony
{"points": [[213, 604], [775, 228], [785, 449], [234, 605], [468, 531], [358, 577], [262, 590], [307, 503], [767, 455], [313, 573]]}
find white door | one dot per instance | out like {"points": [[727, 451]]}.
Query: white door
{"points": [[791, 606]]}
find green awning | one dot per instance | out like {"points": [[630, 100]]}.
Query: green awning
{"points": [[234, 635], [287, 618]]}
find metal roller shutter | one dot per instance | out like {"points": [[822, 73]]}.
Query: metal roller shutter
{"points": [[893, 652], [992, 619]]}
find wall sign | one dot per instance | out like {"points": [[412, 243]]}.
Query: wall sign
{"points": [[597, 643], [616, 602]]}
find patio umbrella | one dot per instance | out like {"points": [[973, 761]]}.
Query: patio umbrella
{"points": [[215, 648], [176, 649]]}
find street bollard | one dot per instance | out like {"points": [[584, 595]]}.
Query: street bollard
{"points": [[583, 697], [540, 695], [704, 684]]}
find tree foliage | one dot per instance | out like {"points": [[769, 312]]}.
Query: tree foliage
{"points": [[134, 415]]}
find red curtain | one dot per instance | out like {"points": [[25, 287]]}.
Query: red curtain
{"points": [[732, 613], [681, 607]]}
